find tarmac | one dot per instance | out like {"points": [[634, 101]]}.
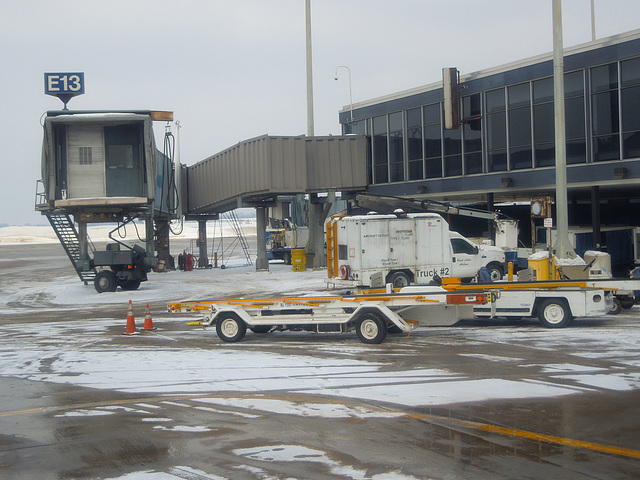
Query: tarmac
{"points": [[482, 399]]}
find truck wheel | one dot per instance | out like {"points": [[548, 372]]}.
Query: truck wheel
{"points": [[131, 285], [261, 328], [554, 313], [230, 328], [495, 272], [617, 307], [371, 328], [399, 280], [105, 281]]}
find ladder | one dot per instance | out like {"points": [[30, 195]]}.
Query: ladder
{"points": [[235, 224], [70, 241]]}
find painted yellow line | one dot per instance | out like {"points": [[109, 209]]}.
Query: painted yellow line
{"points": [[440, 421], [447, 422]]}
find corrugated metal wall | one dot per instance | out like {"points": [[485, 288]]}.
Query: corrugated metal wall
{"points": [[266, 166]]}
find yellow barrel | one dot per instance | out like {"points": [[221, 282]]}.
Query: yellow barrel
{"points": [[299, 259], [539, 262]]}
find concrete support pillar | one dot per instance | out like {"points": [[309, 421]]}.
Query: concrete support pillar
{"points": [[203, 260], [162, 243], [262, 263]]}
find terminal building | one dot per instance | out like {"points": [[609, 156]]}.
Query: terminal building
{"points": [[503, 153]]}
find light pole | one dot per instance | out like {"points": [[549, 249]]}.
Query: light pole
{"points": [[350, 97], [563, 246]]}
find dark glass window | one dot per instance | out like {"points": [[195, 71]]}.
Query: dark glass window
{"points": [[520, 157], [396, 147], [519, 127], [630, 72], [495, 100], [630, 79], [452, 142], [432, 140], [605, 113], [604, 78], [380, 152], [573, 84], [432, 114], [543, 123], [543, 90], [574, 111], [472, 133], [433, 167], [497, 160], [453, 165], [414, 143], [519, 95], [472, 163], [496, 131]]}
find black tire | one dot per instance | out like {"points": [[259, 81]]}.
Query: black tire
{"points": [[617, 307], [105, 281], [130, 285], [495, 272], [371, 328], [399, 279], [554, 313], [261, 328], [230, 328]]}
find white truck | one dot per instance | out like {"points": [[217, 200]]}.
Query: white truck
{"points": [[375, 250]]}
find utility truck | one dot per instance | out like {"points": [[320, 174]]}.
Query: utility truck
{"points": [[375, 250]]}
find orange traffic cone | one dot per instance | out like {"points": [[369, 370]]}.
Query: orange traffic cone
{"points": [[148, 322], [131, 323]]}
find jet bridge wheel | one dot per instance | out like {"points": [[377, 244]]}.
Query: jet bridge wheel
{"points": [[105, 281], [230, 328], [371, 328]]}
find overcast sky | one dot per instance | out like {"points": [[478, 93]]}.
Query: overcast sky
{"points": [[235, 69]]}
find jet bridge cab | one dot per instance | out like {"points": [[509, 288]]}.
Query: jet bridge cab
{"points": [[104, 167]]}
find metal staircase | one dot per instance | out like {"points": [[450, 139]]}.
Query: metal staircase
{"points": [[70, 241], [237, 228]]}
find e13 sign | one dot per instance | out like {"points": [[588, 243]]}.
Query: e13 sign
{"points": [[64, 85]]}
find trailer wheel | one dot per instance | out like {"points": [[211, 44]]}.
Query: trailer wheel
{"points": [[230, 328], [617, 306], [399, 279], [371, 328], [554, 313], [105, 281]]}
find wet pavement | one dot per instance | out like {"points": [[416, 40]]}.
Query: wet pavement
{"points": [[479, 400]]}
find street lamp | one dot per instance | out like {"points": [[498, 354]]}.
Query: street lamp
{"points": [[350, 98]]}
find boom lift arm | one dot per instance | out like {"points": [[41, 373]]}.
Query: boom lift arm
{"points": [[387, 204]]}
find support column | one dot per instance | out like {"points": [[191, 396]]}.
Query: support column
{"points": [[595, 217], [203, 260], [262, 262], [162, 244], [84, 255]]}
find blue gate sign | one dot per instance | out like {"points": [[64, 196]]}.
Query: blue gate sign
{"points": [[64, 85]]}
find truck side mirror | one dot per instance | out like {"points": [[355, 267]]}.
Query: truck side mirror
{"points": [[476, 250]]}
